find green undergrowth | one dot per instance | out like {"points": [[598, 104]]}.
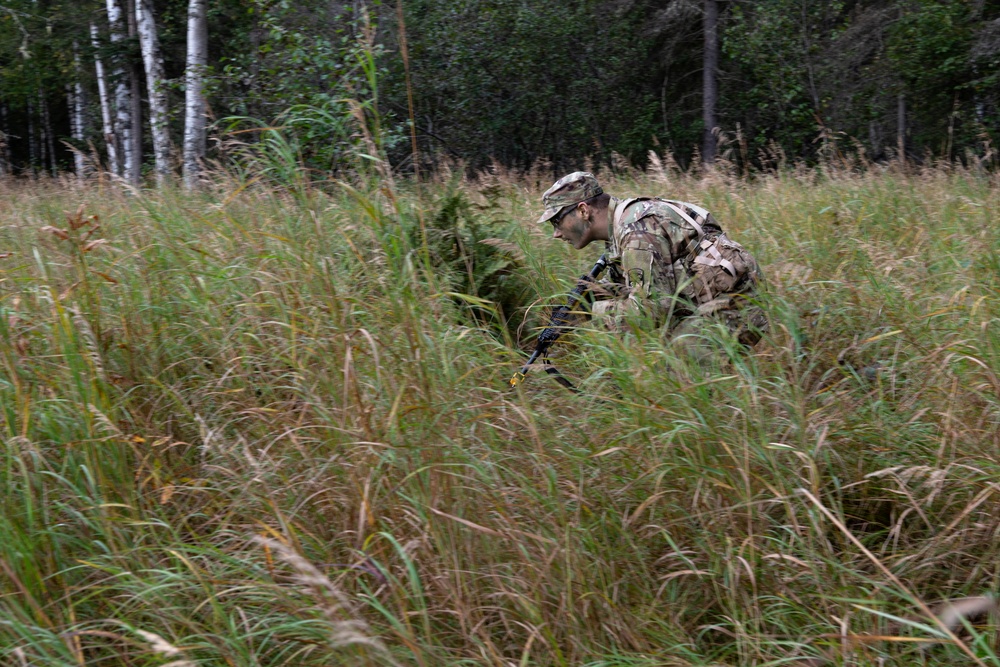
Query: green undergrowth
{"points": [[260, 427]]}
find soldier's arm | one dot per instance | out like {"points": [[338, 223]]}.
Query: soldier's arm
{"points": [[613, 286], [645, 265]]}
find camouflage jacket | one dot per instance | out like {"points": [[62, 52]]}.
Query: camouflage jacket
{"points": [[674, 261]]}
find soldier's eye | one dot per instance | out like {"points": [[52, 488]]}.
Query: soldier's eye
{"points": [[556, 221]]}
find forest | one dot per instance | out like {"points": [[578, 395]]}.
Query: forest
{"points": [[138, 87]]}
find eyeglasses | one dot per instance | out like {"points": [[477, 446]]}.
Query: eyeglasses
{"points": [[556, 221]]}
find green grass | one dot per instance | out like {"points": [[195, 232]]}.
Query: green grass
{"points": [[261, 427]]}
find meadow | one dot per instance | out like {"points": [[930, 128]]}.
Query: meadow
{"points": [[264, 425]]}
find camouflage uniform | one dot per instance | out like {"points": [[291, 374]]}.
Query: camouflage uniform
{"points": [[676, 269]]}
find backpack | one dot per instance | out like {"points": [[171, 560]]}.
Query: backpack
{"points": [[718, 266], [721, 267]]}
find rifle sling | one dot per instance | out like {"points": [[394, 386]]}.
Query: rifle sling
{"points": [[557, 376]]}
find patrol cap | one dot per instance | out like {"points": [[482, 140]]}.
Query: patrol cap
{"points": [[567, 191]]}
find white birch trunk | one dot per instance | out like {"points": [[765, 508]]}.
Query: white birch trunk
{"points": [[194, 111], [123, 95], [77, 104], [107, 123], [74, 132], [157, 93]]}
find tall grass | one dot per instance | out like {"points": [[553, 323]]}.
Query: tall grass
{"points": [[270, 427]]}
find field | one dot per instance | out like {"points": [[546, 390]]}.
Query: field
{"points": [[263, 426]]}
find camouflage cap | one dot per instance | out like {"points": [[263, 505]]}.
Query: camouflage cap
{"points": [[567, 191]]}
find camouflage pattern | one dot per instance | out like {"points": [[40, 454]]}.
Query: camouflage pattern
{"points": [[678, 270], [567, 191]]}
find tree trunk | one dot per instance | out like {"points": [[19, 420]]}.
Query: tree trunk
{"points": [[404, 51], [50, 135], [901, 127], [710, 87], [107, 122], [257, 34], [5, 166], [45, 157], [123, 94], [77, 111], [74, 132], [134, 79], [194, 112], [33, 148], [157, 93], [77, 104]]}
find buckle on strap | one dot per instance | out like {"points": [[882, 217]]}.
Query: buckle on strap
{"points": [[713, 257]]}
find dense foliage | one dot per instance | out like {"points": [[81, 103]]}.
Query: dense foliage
{"points": [[521, 81]]}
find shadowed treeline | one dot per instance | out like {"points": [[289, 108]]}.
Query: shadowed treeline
{"points": [[513, 81]]}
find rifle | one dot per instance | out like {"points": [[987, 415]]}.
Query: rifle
{"points": [[558, 323]]}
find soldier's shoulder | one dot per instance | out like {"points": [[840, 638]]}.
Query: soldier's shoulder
{"points": [[639, 209], [680, 213]]}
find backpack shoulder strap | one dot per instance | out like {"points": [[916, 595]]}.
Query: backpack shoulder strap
{"points": [[620, 210], [687, 218]]}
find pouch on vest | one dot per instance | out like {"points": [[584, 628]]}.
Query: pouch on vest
{"points": [[720, 267]]}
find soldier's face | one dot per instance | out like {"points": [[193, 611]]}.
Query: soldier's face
{"points": [[572, 228]]}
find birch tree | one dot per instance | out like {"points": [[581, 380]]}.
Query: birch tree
{"points": [[194, 102], [77, 104], [153, 60], [123, 96], [75, 131], [107, 121]]}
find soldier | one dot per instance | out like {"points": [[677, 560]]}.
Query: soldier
{"points": [[675, 266]]}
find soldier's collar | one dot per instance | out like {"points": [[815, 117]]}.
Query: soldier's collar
{"points": [[610, 244], [612, 205]]}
